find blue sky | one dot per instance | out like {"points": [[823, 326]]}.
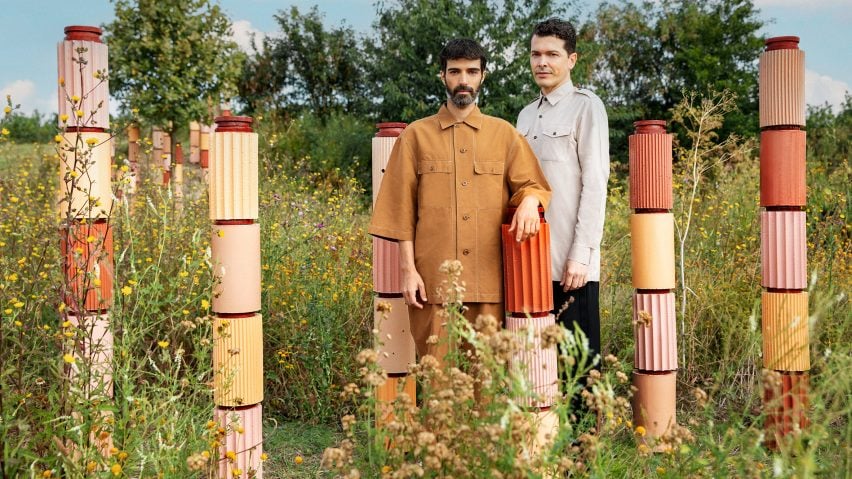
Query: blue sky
{"points": [[30, 29]]}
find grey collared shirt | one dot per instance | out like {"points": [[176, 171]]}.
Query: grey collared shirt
{"points": [[568, 132]]}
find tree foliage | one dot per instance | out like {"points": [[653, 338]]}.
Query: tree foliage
{"points": [[170, 58], [307, 66], [409, 34], [643, 58]]}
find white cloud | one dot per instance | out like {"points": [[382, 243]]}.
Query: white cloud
{"points": [[821, 89], [242, 33], [22, 92]]}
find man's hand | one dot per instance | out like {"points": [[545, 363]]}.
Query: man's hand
{"points": [[412, 284], [575, 275], [526, 220]]}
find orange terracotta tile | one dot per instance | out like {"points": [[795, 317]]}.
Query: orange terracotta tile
{"points": [[87, 258], [526, 272], [650, 161], [782, 168], [785, 331], [785, 400]]}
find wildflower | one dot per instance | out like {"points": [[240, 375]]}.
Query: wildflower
{"points": [[211, 424], [19, 305], [640, 431], [231, 455], [122, 456], [69, 358], [91, 466], [90, 239], [126, 290], [237, 472], [78, 113], [47, 473], [298, 460], [8, 110], [116, 469], [75, 99], [205, 304], [5, 132], [91, 141], [63, 118], [163, 344], [57, 138], [264, 456], [61, 81]]}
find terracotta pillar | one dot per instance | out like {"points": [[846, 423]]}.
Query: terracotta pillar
{"points": [[166, 158], [157, 145], [177, 170], [85, 205], [194, 142], [394, 341], [783, 238], [204, 151], [528, 292], [237, 324], [652, 248]]}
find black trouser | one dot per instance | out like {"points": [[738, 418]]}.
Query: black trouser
{"points": [[581, 306]]}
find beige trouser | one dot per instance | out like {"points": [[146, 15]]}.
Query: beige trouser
{"points": [[427, 322]]}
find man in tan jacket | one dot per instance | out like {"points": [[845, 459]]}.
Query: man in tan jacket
{"points": [[448, 183]]}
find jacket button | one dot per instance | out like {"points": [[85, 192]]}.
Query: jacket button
{"points": [[535, 137], [465, 183], [431, 168], [554, 133], [463, 150], [466, 252], [466, 217]]}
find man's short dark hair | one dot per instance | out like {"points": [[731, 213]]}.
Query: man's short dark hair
{"points": [[555, 27], [462, 48]]}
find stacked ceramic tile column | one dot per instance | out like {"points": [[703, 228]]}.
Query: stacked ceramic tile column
{"points": [[177, 170], [528, 297], [237, 325], [86, 247], [652, 245], [157, 145], [166, 158], [133, 157], [783, 240], [194, 142], [204, 152], [396, 345]]}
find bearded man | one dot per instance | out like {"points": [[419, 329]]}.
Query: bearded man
{"points": [[449, 181]]}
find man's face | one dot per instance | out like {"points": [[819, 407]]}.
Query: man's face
{"points": [[550, 63], [462, 78]]}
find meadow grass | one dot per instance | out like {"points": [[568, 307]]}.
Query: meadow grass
{"points": [[317, 317]]}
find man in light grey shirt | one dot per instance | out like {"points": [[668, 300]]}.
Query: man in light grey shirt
{"points": [[567, 129]]}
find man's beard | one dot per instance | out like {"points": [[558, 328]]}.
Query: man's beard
{"points": [[460, 100]]}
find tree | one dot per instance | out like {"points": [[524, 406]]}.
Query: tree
{"points": [[169, 58], [409, 35], [644, 58], [308, 66]]}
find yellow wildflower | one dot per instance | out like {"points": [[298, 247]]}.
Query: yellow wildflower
{"points": [[237, 472], [231, 455], [69, 358], [205, 304], [116, 469], [5, 132], [264, 456], [91, 141], [298, 460], [63, 118], [79, 113], [640, 431], [75, 99], [7, 110], [163, 344], [57, 138], [126, 290]]}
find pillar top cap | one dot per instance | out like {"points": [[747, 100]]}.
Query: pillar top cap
{"points": [[390, 129], [83, 32], [789, 42], [228, 123], [650, 127]]}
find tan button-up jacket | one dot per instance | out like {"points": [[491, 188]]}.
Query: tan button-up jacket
{"points": [[447, 186]]}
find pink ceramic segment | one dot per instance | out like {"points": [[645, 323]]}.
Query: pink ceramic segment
{"points": [[783, 248], [90, 90], [386, 274], [782, 88], [654, 402], [656, 342], [93, 352], [246, 445], [236, 268], [396, 348], [539, 364]]}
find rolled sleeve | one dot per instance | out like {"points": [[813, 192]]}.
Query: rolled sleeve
{"points": [[395, 212]]}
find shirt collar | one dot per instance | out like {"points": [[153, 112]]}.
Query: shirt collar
{"points": [[446, 119], [563, 91]]}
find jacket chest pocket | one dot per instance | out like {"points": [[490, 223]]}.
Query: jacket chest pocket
{"points": [[435, 188], [559, 142], [488, 178]]}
